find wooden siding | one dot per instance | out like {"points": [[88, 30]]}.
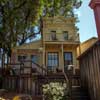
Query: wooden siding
{"points": [[90, 71]]}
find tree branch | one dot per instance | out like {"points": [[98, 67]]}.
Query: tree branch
{"points": [[31, 35], [20, 5], [27, 15]]}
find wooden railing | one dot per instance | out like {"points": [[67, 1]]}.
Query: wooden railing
{"points": [[23, 82], [19, 84], [13, 69], [73, 80], [17, 79], [40, 69], [34, 67], [76, 81], [25, 67]]}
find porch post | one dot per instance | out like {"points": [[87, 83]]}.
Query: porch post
{"points": [[95, 5], [44, 55], [13, 57], [62, 50]]}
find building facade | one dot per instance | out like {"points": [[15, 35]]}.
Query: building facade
{"points": [[57, 48]]}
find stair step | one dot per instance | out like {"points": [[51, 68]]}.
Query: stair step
{"points": [[36, 97], [80, 99], [79, 94]]}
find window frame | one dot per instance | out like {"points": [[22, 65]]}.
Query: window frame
{"points": [[67, 35], [71, 58], [50, 67], [21, 59], [53, 35]]}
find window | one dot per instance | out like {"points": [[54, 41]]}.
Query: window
{"points": [[65, 34], [52, 60], [34, 58], [68, 59], [22, 58], [53, 35]]}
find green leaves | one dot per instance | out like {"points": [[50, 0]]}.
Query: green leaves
{"points": [[18, 16], [54, 91]]}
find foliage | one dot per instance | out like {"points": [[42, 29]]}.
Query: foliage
{"points": [[54, 91], [19, 17]]}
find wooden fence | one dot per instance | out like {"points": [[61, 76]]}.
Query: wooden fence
{"points": [[90, 71], [19, 84]]}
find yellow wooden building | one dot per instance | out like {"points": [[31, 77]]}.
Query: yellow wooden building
{"points": [[53, 58], [57, 48]]}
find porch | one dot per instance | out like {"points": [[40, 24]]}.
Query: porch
{"points": [[19, 81]]}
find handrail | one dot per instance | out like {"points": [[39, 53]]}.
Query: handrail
{"points": [[33, 63], [68, 78], [13, 63], [22, 65], [39, 66]]}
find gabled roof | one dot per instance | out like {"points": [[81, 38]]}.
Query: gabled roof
{"points": [[89, 40], [92, 41]]}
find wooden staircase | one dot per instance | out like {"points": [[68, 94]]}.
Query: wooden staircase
{"points": [[43, 77], [77, 92], [57, 77]]}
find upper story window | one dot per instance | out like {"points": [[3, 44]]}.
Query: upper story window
{"points": [[53, 35], [22, 58], [65, 34]]}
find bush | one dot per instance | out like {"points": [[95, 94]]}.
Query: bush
{"points": [[54, 91]]}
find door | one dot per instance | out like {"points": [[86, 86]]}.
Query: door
{"points": [[68, 59], [52, 60]]}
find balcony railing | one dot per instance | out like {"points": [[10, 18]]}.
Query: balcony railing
{"points": [[60, 37]]}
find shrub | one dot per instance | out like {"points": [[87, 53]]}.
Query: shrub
{"points": [[54, 91]]}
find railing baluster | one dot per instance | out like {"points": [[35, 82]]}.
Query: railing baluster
{"points": [[19, 81]]}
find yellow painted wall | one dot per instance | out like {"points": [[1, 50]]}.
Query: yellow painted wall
{"points": [[59, 24], [61, 64], [28, 50]]}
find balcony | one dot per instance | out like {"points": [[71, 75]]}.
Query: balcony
{"points": [[61, 38]]}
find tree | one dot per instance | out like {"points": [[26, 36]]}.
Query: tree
{"points": [[19, 17]]}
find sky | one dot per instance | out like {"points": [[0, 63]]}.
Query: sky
{"points": [[86, 24]]}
